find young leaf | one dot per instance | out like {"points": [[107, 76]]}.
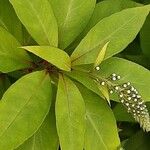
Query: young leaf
{"points": [[101, 55], [129, 72], [23, 108], [120, 29], [9, 20], [11, 58], [101, 129], [145, 37], [70, 14], [70, 115], [53, 55], [38, 18]]}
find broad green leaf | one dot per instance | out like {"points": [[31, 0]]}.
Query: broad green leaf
{"points": [[11, 57], [85, 79], [4, 84], [145, 37], [70, 115], [72, 17], [53, 55], [38, 18], [45, 138], [129, 72], [9, 20], [101, 55], [139, 141], [102, 10], [121, 114], [120, 29], [23, 108], [101, 130]]}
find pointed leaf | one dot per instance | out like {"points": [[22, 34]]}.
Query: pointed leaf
{"points": [[10, 55], [70, 14], [102, 10], [23, 108], [53, 55], [129, 72], [101, 129], [101, 55], [70, 115], [38, 18], [9, 20], [120, 29]]}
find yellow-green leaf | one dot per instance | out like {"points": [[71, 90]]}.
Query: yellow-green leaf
{"points": [[53, 55]]}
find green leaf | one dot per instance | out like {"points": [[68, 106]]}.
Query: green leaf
{"points": [[10, 55], [53, 55], [4, 84], [72, 17], [70, 115], [120, 29], [45, 138], [139, 141], [101, 129], [129, 72], [38, 18], [23, 108], [145, 37], [85, 79], [102, 10], [9, 20], [101, 55]]}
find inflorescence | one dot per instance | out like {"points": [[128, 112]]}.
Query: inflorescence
{"points": [[130, 98]]}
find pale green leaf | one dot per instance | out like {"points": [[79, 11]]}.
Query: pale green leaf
{"points": [[145, 37], [120, 29], [101, 130], [53, 55], [102, 10], [38, 18], [9, 20], [72, 17], [11, 57], [101, 55], [70, 115], [129, 72], [23, 108]]}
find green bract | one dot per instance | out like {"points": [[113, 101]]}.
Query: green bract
{"points": [[61, 87]]}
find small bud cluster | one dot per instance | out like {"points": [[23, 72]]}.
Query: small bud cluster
{"points": [[131, 99]]}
